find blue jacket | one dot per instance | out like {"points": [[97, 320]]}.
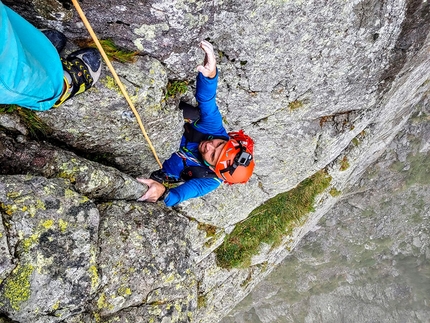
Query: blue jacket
{"points": [[210, 123]]}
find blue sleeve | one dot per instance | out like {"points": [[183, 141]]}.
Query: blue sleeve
{"points": [[210, 121], [191, 189]]}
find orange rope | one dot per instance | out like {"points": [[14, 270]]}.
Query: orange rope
{"points": [[118, 81]]}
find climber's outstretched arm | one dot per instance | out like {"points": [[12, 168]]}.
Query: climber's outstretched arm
{"points": [[206, 85]]}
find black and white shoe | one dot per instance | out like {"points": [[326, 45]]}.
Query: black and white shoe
{"points": [[81, 71]]}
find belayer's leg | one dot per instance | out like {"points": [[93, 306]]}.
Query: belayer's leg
{"points": [[32, 73]]}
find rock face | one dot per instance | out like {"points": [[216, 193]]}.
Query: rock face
{"points": [[314, 83], [368, 260], [52, 234]]}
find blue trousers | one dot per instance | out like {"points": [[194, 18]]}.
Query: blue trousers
{"points": [[31, 73]]}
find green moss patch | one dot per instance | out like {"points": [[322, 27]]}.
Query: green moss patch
{"points": [[297, 104], [113, 52], [334, 192], [209, 229], [271, 221], [344, 164], [35, 126], [176, 88]]}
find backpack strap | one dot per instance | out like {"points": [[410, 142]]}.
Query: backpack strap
{"points": [[191, 134], [190, 172], [190, 113]]}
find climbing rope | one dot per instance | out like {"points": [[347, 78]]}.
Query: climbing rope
{"points": [[118, 81]]}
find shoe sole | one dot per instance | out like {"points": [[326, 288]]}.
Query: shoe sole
{"points": [[92, 59]]}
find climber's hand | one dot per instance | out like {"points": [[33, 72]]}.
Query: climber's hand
{"points": [[155, 190], [208, 68]]}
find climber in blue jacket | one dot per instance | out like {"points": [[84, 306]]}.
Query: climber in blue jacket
{"points": [[207, 154]]}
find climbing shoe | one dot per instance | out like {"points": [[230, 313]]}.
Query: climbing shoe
{"points": [[56, 38], [81, 71]]}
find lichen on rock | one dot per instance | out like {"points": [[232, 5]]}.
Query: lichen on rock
{"points": [[314, 83]]}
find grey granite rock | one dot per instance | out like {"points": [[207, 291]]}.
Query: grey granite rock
{"points": [[316, 84], [52, 238], [368, 259]]}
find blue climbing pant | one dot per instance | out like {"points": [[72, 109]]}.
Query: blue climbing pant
{"points": [[31, 73]]}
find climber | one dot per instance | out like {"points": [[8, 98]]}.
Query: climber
{"points": [[207, 155], [33, 74]]}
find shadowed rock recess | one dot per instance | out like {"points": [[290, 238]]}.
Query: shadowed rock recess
{"points": [[317, 84]]}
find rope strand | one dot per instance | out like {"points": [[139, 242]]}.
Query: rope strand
{"points": [[118, 81]]}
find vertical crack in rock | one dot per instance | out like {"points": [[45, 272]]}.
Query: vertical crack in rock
{"points": [[317, 148], [415, 28]]}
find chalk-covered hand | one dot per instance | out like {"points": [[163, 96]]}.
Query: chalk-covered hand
{"points": [[155, 190], [208, 68]]}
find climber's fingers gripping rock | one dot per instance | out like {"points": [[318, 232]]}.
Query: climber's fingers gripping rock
{"points": [[208, 68], [155, 190]]}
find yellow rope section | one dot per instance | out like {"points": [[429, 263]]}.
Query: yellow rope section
{"points": [[118, 81]]}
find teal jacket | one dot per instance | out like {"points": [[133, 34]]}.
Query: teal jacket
{"points": [[31, 70]]}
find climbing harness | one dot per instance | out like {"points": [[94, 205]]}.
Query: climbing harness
{"points": [[115, 75]]}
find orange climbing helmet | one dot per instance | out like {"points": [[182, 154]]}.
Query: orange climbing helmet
{"points": [[236, 163]]}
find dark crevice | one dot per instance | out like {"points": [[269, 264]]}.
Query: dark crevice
{"points": [[104, 158], [5, 319], [415, 28], [67, 4], [317, 148], [261, 186], [256, 122], [118, 22], [11, 250]]}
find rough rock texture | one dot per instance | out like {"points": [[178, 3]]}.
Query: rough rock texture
{"points": [[368, 260], [52, 236], [315, 83], [89, 178]]}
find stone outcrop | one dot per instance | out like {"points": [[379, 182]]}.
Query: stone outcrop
{"points": [[368, 259], [315, 83], [52, 235]]}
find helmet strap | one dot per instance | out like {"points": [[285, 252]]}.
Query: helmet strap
{"points": [[230, 169], [242, 159], [207, 164]]}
